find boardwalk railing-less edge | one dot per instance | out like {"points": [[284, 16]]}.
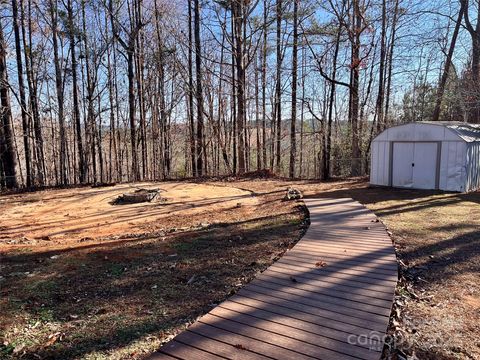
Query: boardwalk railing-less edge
{"points": [[329, 297]]}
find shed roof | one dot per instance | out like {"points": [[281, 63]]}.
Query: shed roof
{"points": [[468, 132]]}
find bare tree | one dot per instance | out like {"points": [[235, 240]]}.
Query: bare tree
{"points": [[448, 63], [278, 86], [199, 89], [293, 144], [7, 152], [59, 90], [474, 103], [23, 102]]}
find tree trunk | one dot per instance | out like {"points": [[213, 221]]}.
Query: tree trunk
{"points": [[23, 102], [264, 84], [238, 15], [390, 62], [474, 94], [131, 110], [32, 90], [191, 119], [199, 90], [76, 106], [448, 63], [354, 89], [257, 116], [293, 135], [59, 90], [233, 101], [302, 113], [278, 88], [381, 80], [141, 100], [91, 84], [7, 152], [113, 151], [328, 146]]}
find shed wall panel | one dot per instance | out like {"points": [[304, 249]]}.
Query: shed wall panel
{"points": [[473, 167], [452, 166], [379, 171], [374, 164], [386, 163]]}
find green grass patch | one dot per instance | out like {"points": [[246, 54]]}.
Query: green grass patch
{"points": [[116, 270]]}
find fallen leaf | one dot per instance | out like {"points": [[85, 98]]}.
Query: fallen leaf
{"points": [[398, 313], [240, 346], [52, 339]]}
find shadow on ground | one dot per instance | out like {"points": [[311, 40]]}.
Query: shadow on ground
{"points": [[128, 295]]}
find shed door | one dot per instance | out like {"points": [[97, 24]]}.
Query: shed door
{"points": [[414, 165], [425, 165], [402, 174]]}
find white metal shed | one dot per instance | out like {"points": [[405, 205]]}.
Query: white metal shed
{"points": [[427, 155]]}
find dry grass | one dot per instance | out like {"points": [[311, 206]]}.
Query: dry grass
{"points": [[438, 240], [437, 237]]}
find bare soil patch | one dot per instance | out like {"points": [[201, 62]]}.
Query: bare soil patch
{"points": [[67, 216]]}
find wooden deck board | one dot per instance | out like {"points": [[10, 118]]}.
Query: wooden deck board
{"points": [[297, 346], [311, 285], [296, 333], [340, 264], [387, 283], [351, 287], [297, 309], [378, 263], [301, 313], [241, 339], [348, 270], [286, 317], [337, 320]]}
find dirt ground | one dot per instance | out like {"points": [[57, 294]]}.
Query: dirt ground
{"points": [[115, 282], [63, 217], [83, 279]]}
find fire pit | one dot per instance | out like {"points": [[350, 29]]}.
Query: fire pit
{"points": [[138, 196]]}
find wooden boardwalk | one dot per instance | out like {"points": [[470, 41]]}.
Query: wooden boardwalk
{"points": [[327, 298]]}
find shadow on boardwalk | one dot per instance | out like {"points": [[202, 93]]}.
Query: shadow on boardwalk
{"points": [[330, 297]]}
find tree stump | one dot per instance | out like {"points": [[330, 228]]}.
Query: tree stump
{"points": [[293, 194]]}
